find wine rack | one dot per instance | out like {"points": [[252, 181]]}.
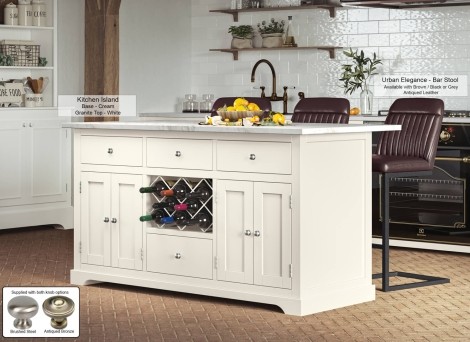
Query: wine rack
{"points": [[193, 184]]}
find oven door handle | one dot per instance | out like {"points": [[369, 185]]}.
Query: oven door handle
{"points": [[455, 159]]}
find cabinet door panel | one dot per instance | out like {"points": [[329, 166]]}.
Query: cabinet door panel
{"points": [[272, 246], [95, 207], [49, 155], [12, 163], [234, 218], [126, 232]]}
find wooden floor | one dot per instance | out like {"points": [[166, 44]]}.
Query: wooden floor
{"points": [[43, 257]]}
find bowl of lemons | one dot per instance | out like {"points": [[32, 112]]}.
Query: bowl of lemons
{"points": [[240, 109]]}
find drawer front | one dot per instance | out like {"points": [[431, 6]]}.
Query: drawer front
{"points": [[254, 156], [126, 151], [179, 153], [191, 257]]}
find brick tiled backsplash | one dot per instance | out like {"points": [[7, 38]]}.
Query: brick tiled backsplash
{"points": [[414, 41]]}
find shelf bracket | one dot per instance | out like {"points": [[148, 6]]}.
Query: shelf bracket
{"points": [[331, 51]]}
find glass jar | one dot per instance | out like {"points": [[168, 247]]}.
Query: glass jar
{"points": [[207, 102], [190, 105]]}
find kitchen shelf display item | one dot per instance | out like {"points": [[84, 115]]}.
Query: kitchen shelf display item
{"points": [[39, 13], [234, 52], [190, 105], [10, 14], [186, 204], [25, 53], [25, 13]]}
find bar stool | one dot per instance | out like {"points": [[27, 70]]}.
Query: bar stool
{"points": [[263, 103], [405, 153], [321, 110]]}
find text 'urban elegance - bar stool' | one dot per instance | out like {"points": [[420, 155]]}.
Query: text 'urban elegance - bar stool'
{"points": [[406, 153], [321, 110]]}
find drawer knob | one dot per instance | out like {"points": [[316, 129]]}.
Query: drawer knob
{"points": [[106, 219], [252, 156], [257, 233], [247, 232], [22, 308], [110, 151], [24, 124], [178, 153], [178, 256], [58, 308], [114, 220]]}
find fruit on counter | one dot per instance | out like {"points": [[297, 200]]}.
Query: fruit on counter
{"points": [[279, 118], [253, 106], [241, 108], [240, 101], [240, 105], [354, 111]]}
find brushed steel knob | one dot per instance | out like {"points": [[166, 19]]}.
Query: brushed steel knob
{"points": [[252, 156], [24, 124], [247, 232], [178, 153], [114, 220], [178, 256], [22, 308], [106, 219], [30, 124], [445, 136], [110, 151], [257, 233], [58, 308]]}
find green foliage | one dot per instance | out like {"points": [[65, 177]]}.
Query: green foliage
{"points": [[241, 31], [42, 61], [5, 60], [356, 75], [272, 27]]}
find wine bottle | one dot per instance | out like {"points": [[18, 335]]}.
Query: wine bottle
{"points": [[191, 205], [202, 192], [155, 216], [202, 220], [156, 188], [167, 220], [169, 202], [181, 217], [180, 190]]}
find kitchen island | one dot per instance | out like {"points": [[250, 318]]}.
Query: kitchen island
{"points": [[290, 209]]}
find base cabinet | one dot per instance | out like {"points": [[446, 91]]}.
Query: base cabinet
{"points": [[110, 232], [254, 233]]}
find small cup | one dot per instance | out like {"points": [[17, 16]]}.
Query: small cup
{"points": [[30, 100]]}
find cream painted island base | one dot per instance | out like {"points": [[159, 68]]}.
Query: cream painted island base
{"points": [[291, 211]]}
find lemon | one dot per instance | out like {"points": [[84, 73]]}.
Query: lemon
{"points": [[240, 101], [253, 106], [230, 109], [240, 108], [278, 118], [354, 111], [255, 118]]}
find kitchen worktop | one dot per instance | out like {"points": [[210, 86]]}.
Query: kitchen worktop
{"points": [[193, 126]]}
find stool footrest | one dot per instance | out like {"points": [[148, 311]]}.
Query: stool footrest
{"points": [[426, 280]]}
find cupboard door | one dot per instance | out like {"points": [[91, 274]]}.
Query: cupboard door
{"points": [[272, 234], [235, 231], [95, 217], [126, 229]]}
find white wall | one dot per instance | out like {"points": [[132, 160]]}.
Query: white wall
{"points": [[155, 51], [413, 41], [71, 46]]}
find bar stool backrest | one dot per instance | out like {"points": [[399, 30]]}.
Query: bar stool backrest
{"points": [[322, 110]]}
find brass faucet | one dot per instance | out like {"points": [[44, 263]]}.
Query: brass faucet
{"points": [[274, 96]]}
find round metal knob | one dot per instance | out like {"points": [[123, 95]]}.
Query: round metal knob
{"points": [[114, 220], [257, 233], [110, 151], [178, 153], [30, 124], [24, 124], [444, 136], [58, 308], [106, 219], [247, 232], [178, 256], [22, 308], [252, 156]]}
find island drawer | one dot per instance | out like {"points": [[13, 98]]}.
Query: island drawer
{"points": [[126, 151], [254, 156], [191, 257], [179, 153]]}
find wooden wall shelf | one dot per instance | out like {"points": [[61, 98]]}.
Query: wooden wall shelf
{"points": [[234, 52], [234, 12]]}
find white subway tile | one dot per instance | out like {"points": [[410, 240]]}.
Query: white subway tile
{"points": [[391, 26], [368, 27], [379, 40], [360, 14]]}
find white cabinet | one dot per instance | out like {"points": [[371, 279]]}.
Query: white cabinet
{"points": [[254, 233], [110, 231], [35, 167]]}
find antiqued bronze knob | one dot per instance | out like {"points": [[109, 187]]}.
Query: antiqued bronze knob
{"points": [[22, 308], [58, 308]]}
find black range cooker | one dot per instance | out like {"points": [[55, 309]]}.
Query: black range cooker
{"points": [[433, 212]]}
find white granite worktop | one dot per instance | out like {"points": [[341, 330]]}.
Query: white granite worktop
{"points": [[191, 126]]}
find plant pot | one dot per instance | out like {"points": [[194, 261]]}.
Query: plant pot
{"points": [[367, 98], [242, 43], [272, 40]]}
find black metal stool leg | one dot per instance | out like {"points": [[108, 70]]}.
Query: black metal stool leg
{"points": [[386, 274]]}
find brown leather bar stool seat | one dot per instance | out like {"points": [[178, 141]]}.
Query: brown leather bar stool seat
{"points": [[322, 110], [406, 153], [263, 103]]}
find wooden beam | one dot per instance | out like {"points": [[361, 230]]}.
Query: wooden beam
{"points": [[102, 49]]}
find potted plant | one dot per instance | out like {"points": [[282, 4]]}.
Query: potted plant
{"points": [[358, 74], [242, 36], [271, 33]]}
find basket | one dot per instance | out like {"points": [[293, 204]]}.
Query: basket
{"points": [[23, 53]]}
